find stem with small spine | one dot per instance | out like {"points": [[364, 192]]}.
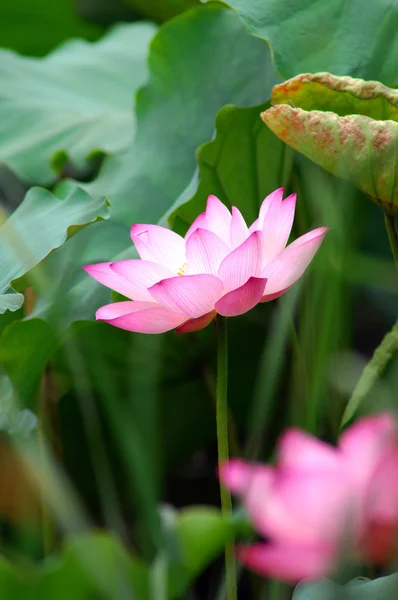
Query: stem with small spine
{"points": [[223, 447]]}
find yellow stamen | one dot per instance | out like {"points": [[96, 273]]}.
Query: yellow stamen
{"points": [[182, 269]]}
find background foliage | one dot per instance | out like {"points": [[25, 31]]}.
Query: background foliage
{"points": [[124, 120]]}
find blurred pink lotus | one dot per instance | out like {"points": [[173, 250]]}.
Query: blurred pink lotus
{"points": [[319, 499], [221, 266]]}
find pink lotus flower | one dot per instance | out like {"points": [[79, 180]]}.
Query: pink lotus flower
{"points": [[221, 266], [320, 499]]}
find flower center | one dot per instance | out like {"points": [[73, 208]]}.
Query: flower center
{"points": [[182, 269]]}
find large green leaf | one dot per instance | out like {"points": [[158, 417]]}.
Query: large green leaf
{"points": [[76, 101], [327, 35], [70, 295], [196, 536], [93, 565], [384, 588], [96, 565], [175, 114], [41, 223], [241, 165], [35, 28], [353, 133], [342, 95], [159, 10]]}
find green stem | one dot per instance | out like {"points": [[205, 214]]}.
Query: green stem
{"points": [[372, 372], [392, 236], [222, 445], [210, 383]]}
